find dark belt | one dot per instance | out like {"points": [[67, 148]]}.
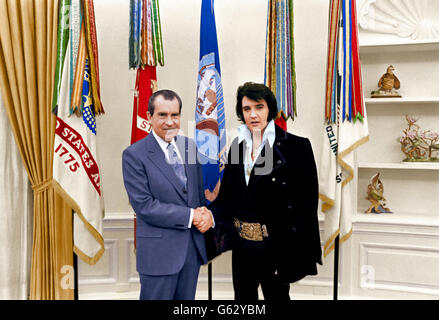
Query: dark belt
{"points": [[251, 231]]}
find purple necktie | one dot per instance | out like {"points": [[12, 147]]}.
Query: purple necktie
{"points": [[176, 163]]}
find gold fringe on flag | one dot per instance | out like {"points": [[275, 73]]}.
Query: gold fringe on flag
{"points": [[91, 42], [144, 33], [145, 41], [271, 47], [151, 59], [75, 103], [280, 75]]}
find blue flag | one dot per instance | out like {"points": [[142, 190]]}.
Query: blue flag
{"points": [[210, 132]]}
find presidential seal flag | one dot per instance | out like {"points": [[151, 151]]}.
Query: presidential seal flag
{"points": [[345, 127], [76, 173], [210, 132]]}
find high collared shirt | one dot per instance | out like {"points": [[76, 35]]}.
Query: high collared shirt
{"points": [[245, 134]]}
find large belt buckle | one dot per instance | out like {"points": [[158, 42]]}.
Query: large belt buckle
{"points": [[251, 231]]}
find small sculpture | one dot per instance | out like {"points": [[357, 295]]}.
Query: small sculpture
{"points": [[386, 84], [375, 194], [419, 145]]}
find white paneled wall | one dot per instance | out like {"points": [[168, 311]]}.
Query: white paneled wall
{"points": [[392, 260], [387, 257]]}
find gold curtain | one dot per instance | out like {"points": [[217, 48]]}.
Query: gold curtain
{"points": [[28, 35]]}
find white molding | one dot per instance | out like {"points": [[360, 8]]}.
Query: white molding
{"points": [[134, 295], [129, 295], [365, 250], [119, 216], [418, 225], [202, 295], [112, 249], [317, 281], [116, 221], [216, 278], [372, 46], [399, 165], [404, 100], [408, 19], [117, 228], [130, 278], [398, 44], [113, 284]]}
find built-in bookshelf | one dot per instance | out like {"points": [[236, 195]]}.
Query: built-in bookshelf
{"points": [[409, 187]]}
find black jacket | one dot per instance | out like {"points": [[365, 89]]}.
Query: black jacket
{"points": [[283, 192]]}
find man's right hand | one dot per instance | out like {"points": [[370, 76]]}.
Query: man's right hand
{"points": [[202, 219]]}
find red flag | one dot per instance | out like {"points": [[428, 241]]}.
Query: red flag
{"points": [[281, 123], [146, 84]]}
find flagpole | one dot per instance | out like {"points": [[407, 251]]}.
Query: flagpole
{"points": [[75, 268], [208, 112], [209, 281], [75, 271], [336, 256]]}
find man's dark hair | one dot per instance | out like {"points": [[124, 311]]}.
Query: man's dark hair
{"points": [[256, 91], [167, 95]]}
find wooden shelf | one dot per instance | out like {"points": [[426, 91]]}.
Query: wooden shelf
{"points": [[400, 218], [400, 166], [421, 175], [406, 100], [399, 46]]}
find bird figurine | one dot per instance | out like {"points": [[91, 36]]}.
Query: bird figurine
{"points": [[387, 83], [375, 194]]}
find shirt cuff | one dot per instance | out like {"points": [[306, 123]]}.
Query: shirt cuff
{"points": [[213, 220], [191, 217]]}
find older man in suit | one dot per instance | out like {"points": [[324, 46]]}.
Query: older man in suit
{"points": [[163, 180]]}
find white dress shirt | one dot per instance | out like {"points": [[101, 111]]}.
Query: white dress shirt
{"points": [[245, 134], [164, 146]]}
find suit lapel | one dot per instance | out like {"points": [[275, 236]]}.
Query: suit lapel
{"points": [[155, 153]]}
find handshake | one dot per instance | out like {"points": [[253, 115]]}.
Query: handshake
{"points": [[202, 219]]}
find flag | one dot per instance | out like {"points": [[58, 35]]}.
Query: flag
{"points": [[345, 126], [146, 85], [76, 171], [210, 132], [145, 53], [145, 39], [279, 73]]}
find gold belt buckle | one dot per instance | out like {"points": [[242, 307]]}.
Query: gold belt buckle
{"points": [[251, 231]]}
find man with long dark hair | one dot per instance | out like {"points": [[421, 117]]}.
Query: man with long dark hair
{"points": [[267, 203]]}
